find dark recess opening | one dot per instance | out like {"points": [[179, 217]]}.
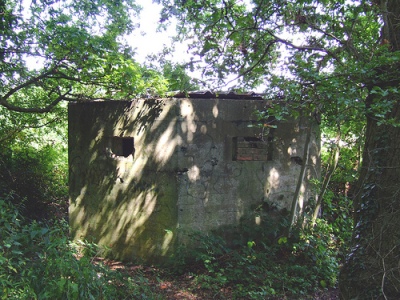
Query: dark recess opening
{"points": [[127, 146], [251, 148], [123, 146]]}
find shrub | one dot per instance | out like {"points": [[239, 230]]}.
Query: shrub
{"points": [[36, 177], [38, 262], [270, 265]]}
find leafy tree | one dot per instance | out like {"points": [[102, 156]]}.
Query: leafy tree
{"points": [[175, 74], [177, 78], [338, 58], [52, 51]]}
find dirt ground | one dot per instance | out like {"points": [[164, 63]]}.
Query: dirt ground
{"points": [[184, 287]]}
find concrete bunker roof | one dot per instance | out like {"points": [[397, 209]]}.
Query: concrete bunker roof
{"points": [[191, 94], [219, 95]]}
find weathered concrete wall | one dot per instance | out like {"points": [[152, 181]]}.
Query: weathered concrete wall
{"points": [[144, 173]]}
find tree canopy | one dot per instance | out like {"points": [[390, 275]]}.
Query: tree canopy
{"points": [[335, 59], [52, 51], [338, 58], [332, 45]]}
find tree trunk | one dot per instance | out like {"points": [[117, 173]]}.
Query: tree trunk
{"points": [[372, 269], [334, 162], [300, 182]]}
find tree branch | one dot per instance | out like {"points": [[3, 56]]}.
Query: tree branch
{"points": [[249, 70], [303, 48], [45, 109], [19, 128], [33, 80]]}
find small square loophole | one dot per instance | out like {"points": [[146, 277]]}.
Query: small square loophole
{"points": [[123, 146]]}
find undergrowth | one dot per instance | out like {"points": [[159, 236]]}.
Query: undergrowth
{"points": [[39, 262], [268, 265]]}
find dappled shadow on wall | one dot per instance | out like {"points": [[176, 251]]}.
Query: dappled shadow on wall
{"points": [[142, 172], [122, 195]]}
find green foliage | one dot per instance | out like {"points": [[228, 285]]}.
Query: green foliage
{"points": [[38, 262], [269, 264], [177, 78], [36, 177], [53, 51]]}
